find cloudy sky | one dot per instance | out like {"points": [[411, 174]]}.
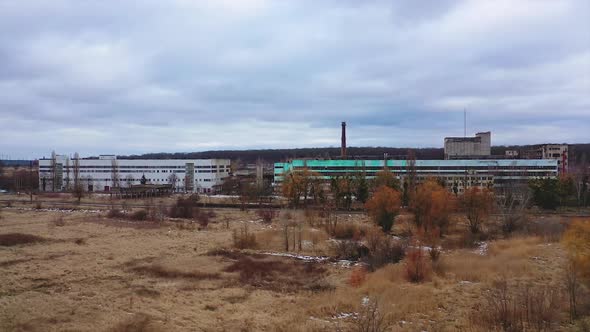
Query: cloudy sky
{"points": [[124, 77]]}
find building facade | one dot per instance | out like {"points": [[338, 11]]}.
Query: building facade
{"points": [[559, 152], [469, 147], [107, 172], [459, 174]]}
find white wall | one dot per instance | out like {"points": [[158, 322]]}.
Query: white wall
{"points": [[207, 172]]}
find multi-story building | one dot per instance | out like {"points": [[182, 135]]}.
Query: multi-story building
{"points": [[468, 147], [108, 172], [558, 152], [456, 174]]}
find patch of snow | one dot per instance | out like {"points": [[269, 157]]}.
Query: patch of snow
{"points": [[482, 249], [465, 282], [365, 301], [301, 257], [345, 315]]}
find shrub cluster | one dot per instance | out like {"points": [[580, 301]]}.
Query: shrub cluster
{"points": [[243, 239]]}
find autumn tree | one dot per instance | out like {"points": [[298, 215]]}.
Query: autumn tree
{"points": [[342, 188], [386, 178], [304, 184], [384, 206], [361, 185], [432, 206], [478, 204]]}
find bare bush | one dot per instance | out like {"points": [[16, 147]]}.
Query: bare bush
{"points": [[38, 205], [382, 250], [115, 214], [518, 308], [243, 239], [348, 250], [371, 317], [184, 208], [267, 215], [140, 215]]}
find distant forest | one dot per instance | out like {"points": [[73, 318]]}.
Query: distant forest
{"points": [[578, 152]]}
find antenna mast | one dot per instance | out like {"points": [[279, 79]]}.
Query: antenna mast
{"points": [[464, 123]]}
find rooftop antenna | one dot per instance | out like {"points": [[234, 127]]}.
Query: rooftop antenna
{"points": [[464, 123]]}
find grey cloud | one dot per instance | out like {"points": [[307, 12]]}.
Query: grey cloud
{"points": [[148, 76]]}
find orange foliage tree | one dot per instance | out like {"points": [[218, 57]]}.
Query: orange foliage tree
{"points": [[432, 205], [478, 204], [384, 206]]}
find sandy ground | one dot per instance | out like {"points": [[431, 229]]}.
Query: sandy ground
{"points": [[85, 277]]}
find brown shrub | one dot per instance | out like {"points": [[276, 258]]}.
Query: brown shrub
{"points": [[417, 270], [140, 215], [80, 241], [267, 215], [185, 208], [348, 250], [279, 274], [243, 239], [14, 239], [358, 275], [115, 214], [38, 205], [382, 249]]}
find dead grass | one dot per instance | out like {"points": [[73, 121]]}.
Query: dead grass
{"points": [[138, 323], [508, 258], [160, 271], [15, 239]]}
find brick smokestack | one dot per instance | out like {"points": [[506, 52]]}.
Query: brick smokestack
{"points": [[343, 142]]}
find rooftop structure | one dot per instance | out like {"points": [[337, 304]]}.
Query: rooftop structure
{"points": [[468, 147]]}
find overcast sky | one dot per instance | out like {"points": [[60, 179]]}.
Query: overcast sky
{"points": [[148, 76]]}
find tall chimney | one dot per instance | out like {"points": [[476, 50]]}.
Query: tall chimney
{"points": [[343, 142]]}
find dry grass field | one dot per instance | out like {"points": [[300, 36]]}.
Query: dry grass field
{"points": [[82, 271]]}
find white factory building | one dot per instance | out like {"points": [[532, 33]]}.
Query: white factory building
{"points": [[107, 172]]}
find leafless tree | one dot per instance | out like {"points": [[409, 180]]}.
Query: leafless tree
{"points": [[53, 171], [78, 186], [115, 177], [172, 179], [129, 180], [511, 204], [68, 180]]}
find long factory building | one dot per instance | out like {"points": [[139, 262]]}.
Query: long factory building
{"points": [[106, 172], [488, 173]]}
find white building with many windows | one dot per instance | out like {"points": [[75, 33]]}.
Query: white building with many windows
{"points": [[108, 172]]}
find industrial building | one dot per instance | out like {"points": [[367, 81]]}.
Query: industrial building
{"points": [[476, 147], [461, 174], [107, 172]]}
